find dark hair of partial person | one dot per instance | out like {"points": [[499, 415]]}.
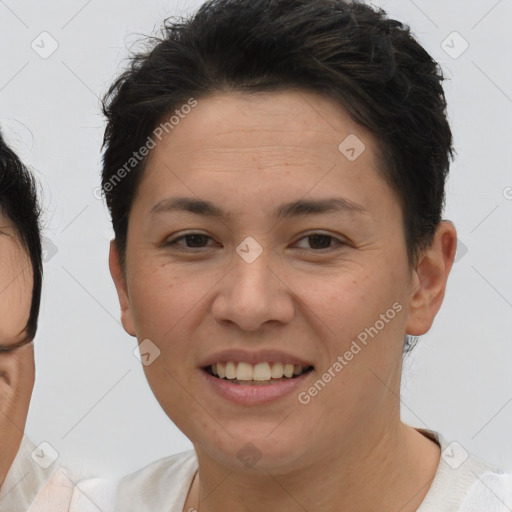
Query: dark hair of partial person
{"points": [[19, 203], [351, 52]]}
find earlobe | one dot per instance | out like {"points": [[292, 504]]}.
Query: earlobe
{"points": [[122, 289], [428, 285]]}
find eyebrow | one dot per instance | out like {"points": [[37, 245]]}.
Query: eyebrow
{"points": [[297, 208]]}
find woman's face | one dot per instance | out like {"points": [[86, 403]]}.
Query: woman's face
{"points": [[16, 364], [267, 283], [16, 284]]}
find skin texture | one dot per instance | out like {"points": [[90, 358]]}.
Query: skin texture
{"points": [[16, 354], [347, 449]]}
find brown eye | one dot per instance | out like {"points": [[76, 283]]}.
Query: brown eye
{"points": [[192, 241], [319, 241]]}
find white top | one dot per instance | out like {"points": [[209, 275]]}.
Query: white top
{"points": [[164, 484], [37, 483], [460, 485]]}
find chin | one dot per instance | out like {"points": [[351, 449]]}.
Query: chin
{"points": [[246, 453]]}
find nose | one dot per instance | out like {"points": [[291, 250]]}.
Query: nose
{"points": [[253, 294]]}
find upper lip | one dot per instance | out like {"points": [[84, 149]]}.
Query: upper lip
{"points": [[260, 356]]}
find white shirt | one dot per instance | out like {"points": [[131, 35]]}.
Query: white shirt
{"points": [[459, 485], [26, 480], [30, 486]]}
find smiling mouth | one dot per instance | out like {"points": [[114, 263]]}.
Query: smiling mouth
{"points": [[264, 373]]}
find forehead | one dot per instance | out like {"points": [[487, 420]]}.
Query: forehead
{"points": [[282, 125], [265, 148], [9, 236]]}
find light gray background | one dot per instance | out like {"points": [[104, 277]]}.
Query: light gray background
{"points": [[91, 400]]}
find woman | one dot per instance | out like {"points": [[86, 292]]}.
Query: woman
{"points": [[251, 135], [30, 478], [20, 293]]}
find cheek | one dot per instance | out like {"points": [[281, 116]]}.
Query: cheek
{"points": [[160, 299], [366, 306], [16, 386], [15, 300], [154, 297], [351, 301], [164, 304]]}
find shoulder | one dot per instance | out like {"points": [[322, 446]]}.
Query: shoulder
{"points": [[456, 475], [492, 492], [162, 485], [34, 481]]}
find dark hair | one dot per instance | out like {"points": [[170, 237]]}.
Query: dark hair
{"points": [[19, 203], [350, 52]]}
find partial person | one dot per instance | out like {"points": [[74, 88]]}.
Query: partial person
{"points": [[21, 271], [30, 480]]}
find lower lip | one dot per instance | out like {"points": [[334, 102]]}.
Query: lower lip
{"points": [[254, 394]]}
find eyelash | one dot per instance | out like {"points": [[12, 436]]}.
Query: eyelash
{"points": [[310, 235]]}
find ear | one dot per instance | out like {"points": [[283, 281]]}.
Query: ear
{"points": [[428, 283], [122, 289]]}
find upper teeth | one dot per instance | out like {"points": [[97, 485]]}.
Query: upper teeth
{"points": [[259, 371]]}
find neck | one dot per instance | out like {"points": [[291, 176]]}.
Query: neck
{"points": [[391, 469]]}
